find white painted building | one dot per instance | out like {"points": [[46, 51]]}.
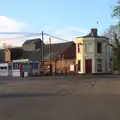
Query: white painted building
{"points": [[93, 53], [5, 69]]}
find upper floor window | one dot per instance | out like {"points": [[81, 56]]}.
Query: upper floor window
{"points": [[78, 48], [99, 47], [106, 47], [88, 48]]}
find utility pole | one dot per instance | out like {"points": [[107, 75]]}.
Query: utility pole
{"points": [[50, 56], [50, 49], [42, 45], [42, 60]]}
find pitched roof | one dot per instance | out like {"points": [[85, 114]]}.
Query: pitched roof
{"points": [[36, 40], [91, 35], [56, 49]]}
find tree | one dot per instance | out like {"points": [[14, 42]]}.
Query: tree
{"points": [[113, 33], [116, 12]]}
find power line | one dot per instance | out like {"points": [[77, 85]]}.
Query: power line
{"points": [[17, 37], [55, 37], [23, 33], [27, 34]]}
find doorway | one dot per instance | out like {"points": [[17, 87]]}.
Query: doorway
{"points": [[88, 66]]}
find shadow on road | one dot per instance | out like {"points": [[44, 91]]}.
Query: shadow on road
{"points": [[19, 95]]}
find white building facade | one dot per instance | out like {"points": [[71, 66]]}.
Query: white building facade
{"points": [[93, 53]]}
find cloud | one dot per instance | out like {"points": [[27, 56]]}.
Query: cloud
{"points": [[70, 33], [66, 34], [10, 25]]}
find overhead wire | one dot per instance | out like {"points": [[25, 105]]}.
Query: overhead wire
{"points": [[26, 34], [55, 37]]}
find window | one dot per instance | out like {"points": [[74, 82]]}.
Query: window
{"points": [[106, 65], [31, 64], [78, 48], [79, 65], [34, 65], [106, 49], [16, 66], [99, 65], [88, 48], [99, 47], [3, 68]]}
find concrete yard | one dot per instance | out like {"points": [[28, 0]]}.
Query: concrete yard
{"points": [[60, 98]]}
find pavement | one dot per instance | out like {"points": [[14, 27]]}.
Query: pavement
{"points": [[60, 98]]}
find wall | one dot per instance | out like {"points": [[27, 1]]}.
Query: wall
{"points": [[61, 64], [93, 55], [105, 55], [83, 55], [79, 56], [7, 53], [89, 55], [29, 47]]}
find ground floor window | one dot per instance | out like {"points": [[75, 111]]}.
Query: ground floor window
{"points": [[34, 65], [79, 65], [99, 65], [3, 68], [106, 65], [16, 66]]}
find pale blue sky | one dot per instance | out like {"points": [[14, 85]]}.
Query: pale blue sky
{"points": [[55, 15]]}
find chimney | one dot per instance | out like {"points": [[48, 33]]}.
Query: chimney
{"points": [[94, 31]]}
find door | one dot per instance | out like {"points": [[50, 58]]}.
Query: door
{"points": [[88, 65]]}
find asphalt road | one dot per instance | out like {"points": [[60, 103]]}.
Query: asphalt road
{"points": [[54, 107], [63, 98]]}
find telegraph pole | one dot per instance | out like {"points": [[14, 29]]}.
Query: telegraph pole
{"points": [[42, 61], [42, 45], [50, 56], [50, 49]]}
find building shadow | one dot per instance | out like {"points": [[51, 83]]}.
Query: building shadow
{"points": [[26, 95]]}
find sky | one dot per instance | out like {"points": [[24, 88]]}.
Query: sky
{"points": [[61, 18]]}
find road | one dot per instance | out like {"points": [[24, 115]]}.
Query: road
{"points": [[62, 98]]}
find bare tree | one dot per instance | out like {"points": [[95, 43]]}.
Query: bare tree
{"points": [[112, 33]]}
